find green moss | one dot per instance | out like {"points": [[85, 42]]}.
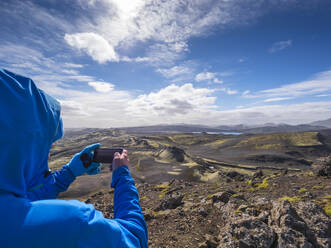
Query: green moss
{"points": [[318, 187], [325, 203], [263, 185], [302, 190], [278, 141], [290, 199], [249, 182], [275, 175], [163, 187], [327, 208], [210, 196], [240, 209], [217, 143], [311, 174], [188, 196], [235, 237]]}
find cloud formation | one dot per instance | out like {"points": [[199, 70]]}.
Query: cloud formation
{"points": [[173, 104], [112, 31], [94, 45], [280, 45], [208, 76], [101, 86], [163, 25], [318, 84]]}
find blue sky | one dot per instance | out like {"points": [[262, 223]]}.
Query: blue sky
{"points": [[114, 63]]}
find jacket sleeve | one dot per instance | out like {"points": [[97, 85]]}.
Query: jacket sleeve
{"points": [[51, 186], [127, 229]]}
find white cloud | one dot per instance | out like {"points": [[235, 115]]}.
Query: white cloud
{"points": [[291, 114], [160, 54], [208, 76], [72, 65], [178, 73], [172, 104], [280, 45], [179, 46], [203, 76], [246, 92], [186, 104], [277, 99], [94, 45], [319, 84], [229, 91], [101, 86], [217, 81], [323, 95]]}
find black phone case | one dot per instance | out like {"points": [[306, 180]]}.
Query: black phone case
{"points": [[105, 155]]}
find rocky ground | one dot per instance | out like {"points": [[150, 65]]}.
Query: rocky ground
{"points": [[277, 210]]}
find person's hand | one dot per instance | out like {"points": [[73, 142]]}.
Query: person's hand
{"points": [[119, 160], [77, 166]]}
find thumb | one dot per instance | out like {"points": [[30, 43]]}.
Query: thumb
{"points": [[117, 155], [91, 148]]}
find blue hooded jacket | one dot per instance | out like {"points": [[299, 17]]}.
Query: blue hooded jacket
{"points": [[29, 214]]}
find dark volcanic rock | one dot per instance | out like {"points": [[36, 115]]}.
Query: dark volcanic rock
{"points": [[285, 225], [258, 174], [278, 159], [322, 167], [246, 231], [210, 242], [171, 203], [222, 196], [235, 175]]}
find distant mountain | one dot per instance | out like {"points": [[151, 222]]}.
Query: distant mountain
{"points": [[283, 128], [325, 123], [186, 128], [270, 128], [171, 129]]}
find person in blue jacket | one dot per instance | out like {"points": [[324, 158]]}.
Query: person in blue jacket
{"points": [[30, 215]]}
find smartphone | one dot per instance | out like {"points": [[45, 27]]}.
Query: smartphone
{"points": [[105, 155]]}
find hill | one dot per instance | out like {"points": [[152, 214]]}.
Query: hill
{"points": [[158, 158], [217, 190], [324, 123], [267, 128], [275, 210]]}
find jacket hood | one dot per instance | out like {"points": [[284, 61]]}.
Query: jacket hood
{"points": [[29, 123]]}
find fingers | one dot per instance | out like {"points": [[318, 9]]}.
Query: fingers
{"points": [[117, 155], [91, 148], [124, 154]]}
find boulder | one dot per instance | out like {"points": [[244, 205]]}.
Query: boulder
{"points": [[171, 202], [275, 224], [322, 167], [222, 196]]}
